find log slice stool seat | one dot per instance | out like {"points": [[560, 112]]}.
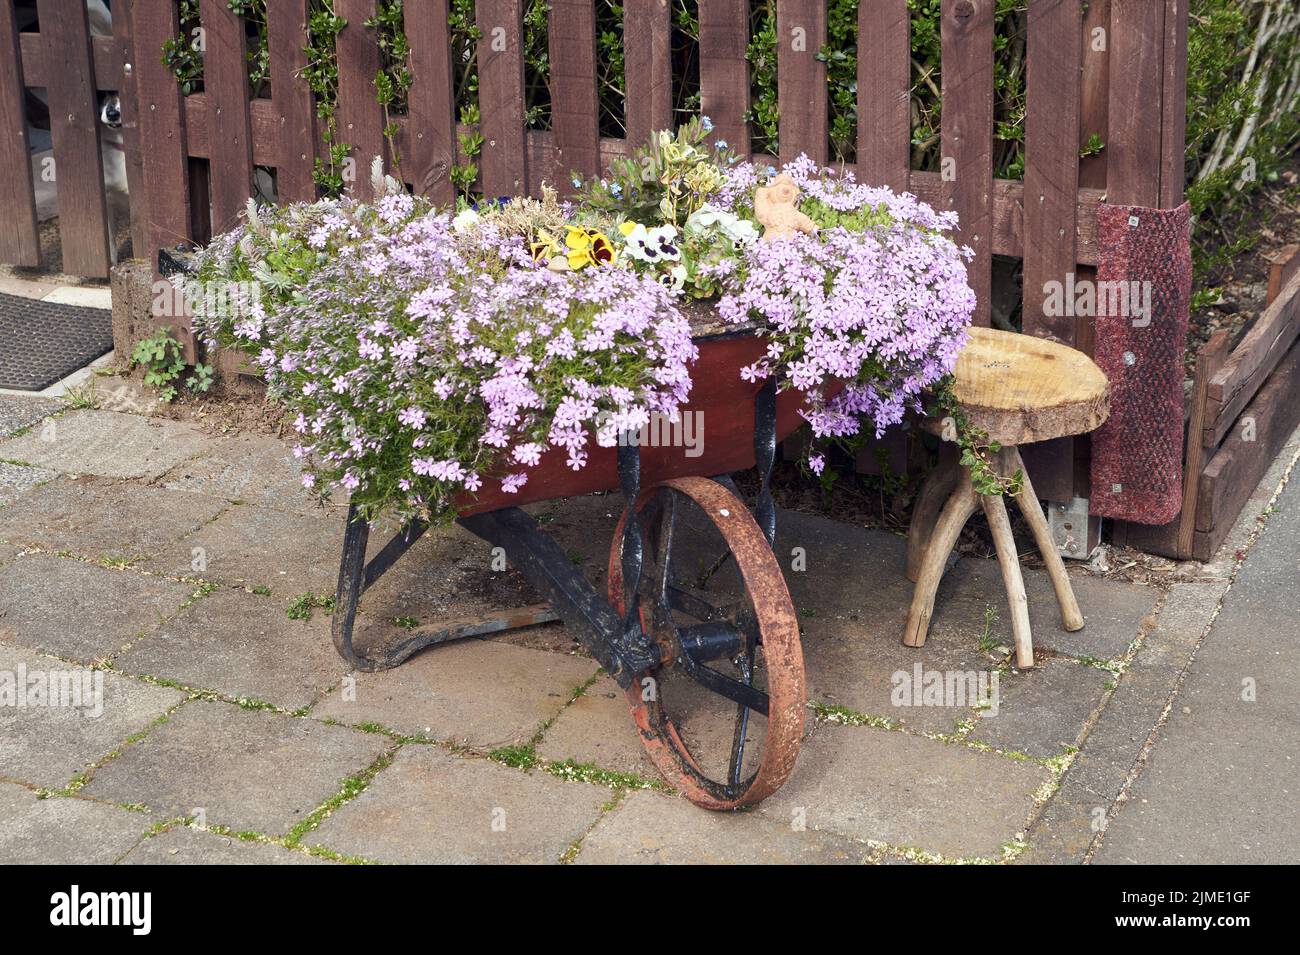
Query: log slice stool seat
{"points": [[1019, 389]]}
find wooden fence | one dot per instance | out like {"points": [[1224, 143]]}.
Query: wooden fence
{"points": [[1113, 69]]}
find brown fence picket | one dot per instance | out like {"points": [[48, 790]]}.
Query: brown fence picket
{"points": [[724, 71], [647, 68], [801, 79], [504, 157], [361, 123], [966, 137], [884, 143], [431, 126], [575, 109], [225, 87], [1133, 146], [19, 242], [161, 129], [1173, 110], [1051, 161], [74, 128], [291, 98]]}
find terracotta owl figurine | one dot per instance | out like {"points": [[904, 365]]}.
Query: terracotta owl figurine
{"points": [[776, 208]]}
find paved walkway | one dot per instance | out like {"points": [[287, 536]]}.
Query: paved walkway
{"points": [[165, 561], [1222, 781]]}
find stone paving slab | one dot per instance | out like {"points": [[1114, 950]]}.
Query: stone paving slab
{"points": [[475, 692], [905, 790], [1220, 783], [1113, 611], [109, 444], [17, 413], [432, 807], [246, 769], [248, 468], [597, 728], [651, 828], [1043, 713], [15, 479], [92, 517], [64, 831], [47, 741], [245, 646], [1070, 822], [80, 611], [258, 546], [184, 846]]}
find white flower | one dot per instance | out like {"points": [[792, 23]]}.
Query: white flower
{"points": [[674, 278], [708, 218], [652, 245], [465, 220]]}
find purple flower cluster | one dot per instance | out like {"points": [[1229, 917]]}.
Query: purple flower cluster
{"points": [[879, 301], [419, 364]]}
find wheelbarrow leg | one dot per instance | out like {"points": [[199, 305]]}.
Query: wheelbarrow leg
{"points": [[355, 576]]}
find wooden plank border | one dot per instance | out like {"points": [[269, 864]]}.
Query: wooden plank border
{"points": [[884, 141]]}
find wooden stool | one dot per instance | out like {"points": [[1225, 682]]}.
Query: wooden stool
{"points": [[1019, 389]]}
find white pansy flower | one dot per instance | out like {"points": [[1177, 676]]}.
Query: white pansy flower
{"points": [[652, 245]]}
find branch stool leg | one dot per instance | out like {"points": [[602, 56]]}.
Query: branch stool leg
{"points": [[938, 487], [1071, 618], [956, 512], [996, 511]]}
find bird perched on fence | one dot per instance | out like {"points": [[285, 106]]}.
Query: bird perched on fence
{"points": [[777, 208]]}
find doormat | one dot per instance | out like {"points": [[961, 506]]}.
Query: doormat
{"points": [[43, 342]]}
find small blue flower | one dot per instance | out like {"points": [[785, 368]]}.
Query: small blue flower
{"points": [[721, 144], [706, 124], [615, 190]]}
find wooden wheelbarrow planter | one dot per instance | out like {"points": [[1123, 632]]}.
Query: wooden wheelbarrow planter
{"points": [[650, 619]]}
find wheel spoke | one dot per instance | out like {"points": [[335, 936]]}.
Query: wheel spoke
{"points": [[746, 663]]}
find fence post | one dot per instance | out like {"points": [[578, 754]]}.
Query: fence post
{"points": [[724, 71], [647, 68], [885, 94], [966, 150], [74, 127], [575, 106], [225, 89], [801, 79], [361, 123], [286, 30], [431, 122], [500, 51], [19, 242]]}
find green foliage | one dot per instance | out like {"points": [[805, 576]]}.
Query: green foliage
{"points": [[1243, 117], [663, 181], [163, 361], [973, 443], [302, 606]]}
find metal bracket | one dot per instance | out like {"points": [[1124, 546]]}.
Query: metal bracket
{"points": [[1070, 527]]}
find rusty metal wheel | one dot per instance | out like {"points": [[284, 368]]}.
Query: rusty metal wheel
{"points": [[739, 619]]}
